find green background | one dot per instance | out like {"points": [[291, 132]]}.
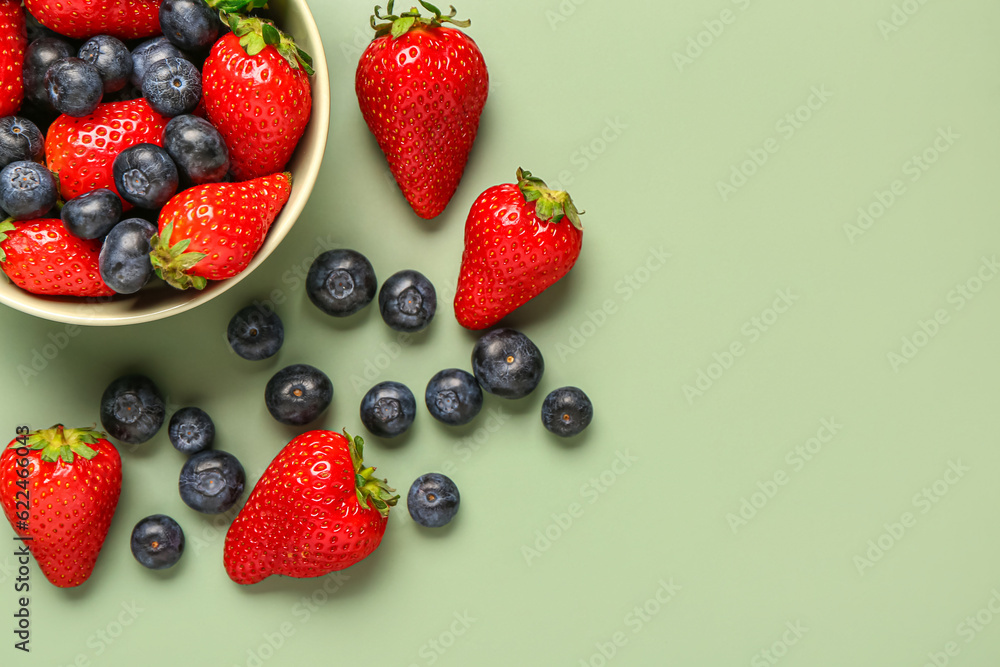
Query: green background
{"points": [[873, 551]]}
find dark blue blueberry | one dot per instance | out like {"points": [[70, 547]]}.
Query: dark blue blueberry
{"points": [[341, 282], [189, 24], [149, 52], [132, 409], [197, 148], [145, 176], [27, 190], [157, 542], [212, 481], [111, 58], [567, 411], [255, 333], [298, 394], [39, 56], [20, 139], [507, 363], [407, 301], [388, 409], [454, 397], [93, 214], [172, 86], [124, 260], [74, 87], [191, 430], [433, 500]]}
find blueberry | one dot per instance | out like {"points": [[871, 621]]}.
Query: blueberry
{"points": [[407, 301], [157, 542], [433, 500], [74, 87], [39, 56], [197, 148], [298, 394], [132, 409], [27, 190], [255, 333], [172, 86], [124, 260], [149, 52], [191, 430], [388, 409], [189, 24], [212, 481], [341, 282], [454, 397], [507, 363], [567, 411], [111, 58], [20, 139], [145, 176], [93, 214]]}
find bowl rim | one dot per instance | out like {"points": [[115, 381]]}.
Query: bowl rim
{"points": [[319, 122]]}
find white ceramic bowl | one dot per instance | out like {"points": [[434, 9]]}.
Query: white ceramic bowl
{"points": [[157, 301]]}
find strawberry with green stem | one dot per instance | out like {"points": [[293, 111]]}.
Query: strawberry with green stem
{"points": [[317, 508], [520, 239], [422, 85], [59, 489]]}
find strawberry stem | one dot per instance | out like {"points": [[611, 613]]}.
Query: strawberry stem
{"points": [[172, 263], [256, 34], [5, 226], [549, 204], [369, 488], [59, 442], [397, 26]]}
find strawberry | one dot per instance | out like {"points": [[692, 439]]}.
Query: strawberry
{"points": [[216, 229], [256, 91], [316, 509], [40, 256], [422, 86], [59, 489], [80, 151], [516, 245], [124, 19], [13, 41]]}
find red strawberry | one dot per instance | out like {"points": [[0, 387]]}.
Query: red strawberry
{"points": [[80, 151], [316, 509], [422, 87], [40, 256], [516, 245], [59, 489], [13, 41], [124, 19], [256, 92], [216, 229]]}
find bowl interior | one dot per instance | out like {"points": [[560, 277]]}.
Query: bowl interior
{"points": [[159, 300]]}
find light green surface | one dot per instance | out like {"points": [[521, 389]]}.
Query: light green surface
{"points": [[667, 135]]}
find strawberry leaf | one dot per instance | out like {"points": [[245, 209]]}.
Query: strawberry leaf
{"points": [[270, 34], [5, 226], [402, 26]]}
